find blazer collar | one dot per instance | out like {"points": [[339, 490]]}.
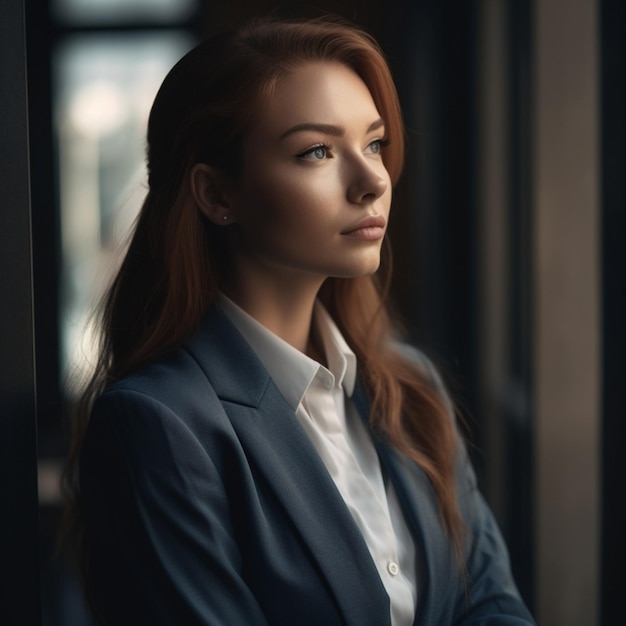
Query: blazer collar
{"points": [[227, 360]]}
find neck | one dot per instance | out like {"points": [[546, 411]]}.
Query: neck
{"points": [[282, 304]]}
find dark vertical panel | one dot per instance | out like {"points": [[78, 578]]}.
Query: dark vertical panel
{"points": [[519, 427], [19, 585], [438, 92], [45, 227], [613, 137]]}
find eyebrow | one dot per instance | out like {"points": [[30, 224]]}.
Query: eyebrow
{"points": [[328, 129]]}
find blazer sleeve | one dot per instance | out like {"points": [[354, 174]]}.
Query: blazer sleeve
{"points": [[492, 598], [489, 596], [158, 521]]}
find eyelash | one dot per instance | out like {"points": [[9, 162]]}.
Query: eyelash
{"points": [[312, 149], [383, 143]]}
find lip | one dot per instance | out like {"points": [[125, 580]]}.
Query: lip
{"points": [[369, 228]]}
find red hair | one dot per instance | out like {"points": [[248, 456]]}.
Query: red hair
{"points": [[175, 261]]}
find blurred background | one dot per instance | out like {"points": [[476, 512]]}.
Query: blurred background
{"points": [[508, 233]]}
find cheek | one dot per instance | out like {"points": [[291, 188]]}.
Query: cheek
{"points": [[282, 202]]}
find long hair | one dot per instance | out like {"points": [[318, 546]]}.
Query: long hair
{"points": [[174, 264]]}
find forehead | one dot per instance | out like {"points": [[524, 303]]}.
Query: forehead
{"points": [[317, 92]]}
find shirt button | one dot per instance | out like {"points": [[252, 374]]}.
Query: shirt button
{"points": [[392, 568]]}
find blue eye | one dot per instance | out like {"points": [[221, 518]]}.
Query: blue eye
{"points": [[316, 153], [377, 146]]}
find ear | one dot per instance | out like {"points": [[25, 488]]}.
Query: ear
{"points": [[209, 189]]}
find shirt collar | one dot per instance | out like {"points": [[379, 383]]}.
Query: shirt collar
{"points": [[292, 370], [341, 359]]}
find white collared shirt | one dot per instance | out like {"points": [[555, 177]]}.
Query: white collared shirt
{"points": [[321, 399]]}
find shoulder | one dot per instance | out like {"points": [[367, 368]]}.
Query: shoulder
{"points": [[173, 375], [177, 381], [189, 392], [423, 363], [425, 368], [168, 407]]}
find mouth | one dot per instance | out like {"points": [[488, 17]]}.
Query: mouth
{"points": [[370, 228]]}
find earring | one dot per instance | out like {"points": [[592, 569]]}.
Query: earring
{"points": [[225, 218]]}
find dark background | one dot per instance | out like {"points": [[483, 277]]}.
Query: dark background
{"points": [[432, 48]]}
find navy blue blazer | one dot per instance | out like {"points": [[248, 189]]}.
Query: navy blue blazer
{"points": [[206, 504]]}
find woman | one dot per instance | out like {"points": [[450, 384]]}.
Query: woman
{"points": [[260, 450]]}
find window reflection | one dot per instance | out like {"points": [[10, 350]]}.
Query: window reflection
{"points": [[118, 11], [105, 84]]}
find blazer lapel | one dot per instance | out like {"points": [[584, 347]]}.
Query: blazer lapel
{"points": [[280, 452], [419, 503]]}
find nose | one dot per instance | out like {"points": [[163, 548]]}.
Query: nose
{"points": [[366, 184]]}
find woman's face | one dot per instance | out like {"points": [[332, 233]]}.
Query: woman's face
{"points": [[314, 195]]}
